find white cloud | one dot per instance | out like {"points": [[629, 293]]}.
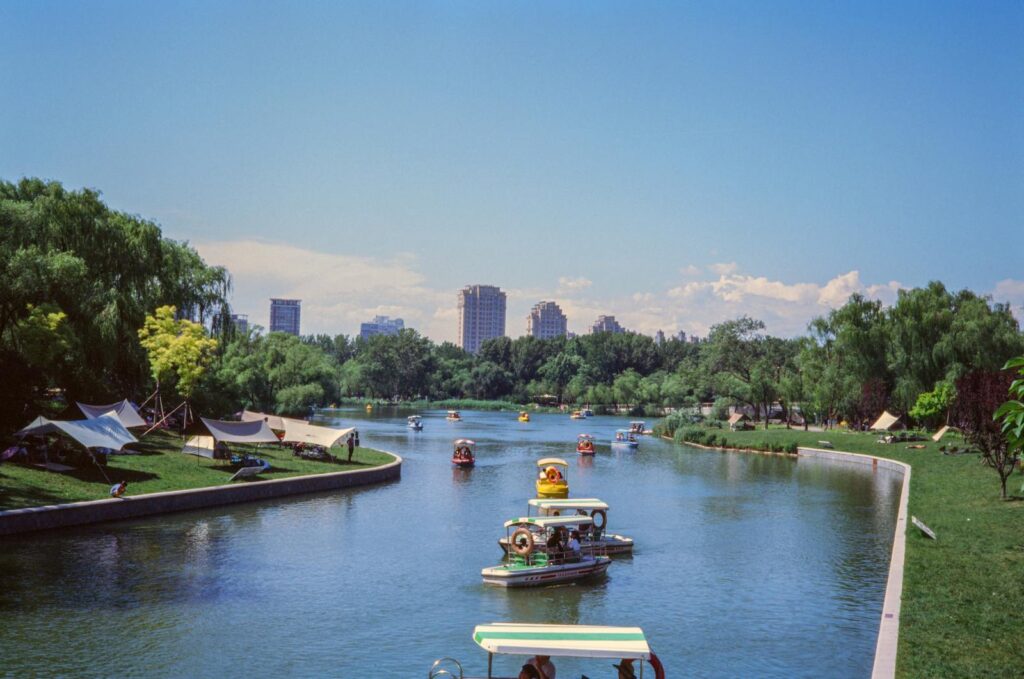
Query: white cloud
{"points": [[690, 271], [1011, 291], [339, 291], [724, 268]]}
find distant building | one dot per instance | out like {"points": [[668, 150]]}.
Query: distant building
{"points": [[381, 325], [659, 338], [240, 322], [607, 324], [695, 340], [481, 315], [546, 321], [681, 336], [284, 315]]}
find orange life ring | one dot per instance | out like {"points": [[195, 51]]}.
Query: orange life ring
{"points": [[522, 542], [553, 474]]}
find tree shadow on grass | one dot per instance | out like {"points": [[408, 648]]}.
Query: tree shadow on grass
{"points": [[92, 474], [14, 495]]}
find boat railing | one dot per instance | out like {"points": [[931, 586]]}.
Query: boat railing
{"points": [[438, 669]]}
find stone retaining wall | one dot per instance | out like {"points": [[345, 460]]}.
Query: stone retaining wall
{"points": [[78, 513]]}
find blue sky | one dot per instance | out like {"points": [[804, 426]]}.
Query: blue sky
{"points": [[672, 163]]}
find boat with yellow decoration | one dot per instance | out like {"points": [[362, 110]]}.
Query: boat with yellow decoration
{"points": [[552, 480]]}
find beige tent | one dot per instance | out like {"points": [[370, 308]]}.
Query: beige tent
{"points": [[736, 418], [298, 431], [886, 422], [199, 445], [273, 421], [240, 432], [937, 436]]}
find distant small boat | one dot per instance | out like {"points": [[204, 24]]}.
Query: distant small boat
{"points": [[453, 416], [625, 437], [524, 416], [415, 422], [463, 454], [585, 444], [576, 415]]}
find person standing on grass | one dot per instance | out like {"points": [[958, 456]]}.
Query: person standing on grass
{"points": [[351, 445]]}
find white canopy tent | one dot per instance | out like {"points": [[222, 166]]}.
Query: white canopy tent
{"points": [[105, 431], [298, 431], [240, 432], [124, 411]]}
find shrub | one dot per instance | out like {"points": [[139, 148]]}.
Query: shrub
{"points": [[710, 439], [791, 447]]}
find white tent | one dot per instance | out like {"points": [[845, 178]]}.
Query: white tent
{"points": [[886, 421], [240, 432], [124, 410], [273, 421], [199, 445], [298, 431], [105, 431]]}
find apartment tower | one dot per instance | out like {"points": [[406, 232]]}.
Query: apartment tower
{"points": [[284, 315], [545, 321], [481, 315]]}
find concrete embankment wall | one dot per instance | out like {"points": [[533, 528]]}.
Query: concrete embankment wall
{"points": [[889, 629], [95, 511]]}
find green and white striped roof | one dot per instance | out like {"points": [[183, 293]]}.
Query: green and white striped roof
{"points": [[577, 641], [551, 521], [590, 503]]}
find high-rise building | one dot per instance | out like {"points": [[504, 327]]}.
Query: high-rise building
{"points": [[381, 325], [284, 315], [481, 315], [545, 321], [659, 338], [607, 324], [241, 323]]}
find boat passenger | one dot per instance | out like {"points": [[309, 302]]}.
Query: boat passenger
{"points": [[528, 671], [542, 663], [625, 669], [573, 546], [554, 545]]}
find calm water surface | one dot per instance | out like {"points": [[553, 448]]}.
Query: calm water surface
{"points": [[745, 565]]}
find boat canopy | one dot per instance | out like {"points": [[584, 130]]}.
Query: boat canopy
{"points": [[637, 422], [453, 412], [590, 503], [623, 431], [464, 442], [545, 461], [576, 641], [414, 418], [585, 437], [551, 521]]}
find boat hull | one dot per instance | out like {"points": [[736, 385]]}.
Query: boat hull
{"points": [[554, 491], [463, 463], [546, 575]]}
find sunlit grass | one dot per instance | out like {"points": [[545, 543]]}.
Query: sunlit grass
{"points": [[963, 594], [160, 467]]}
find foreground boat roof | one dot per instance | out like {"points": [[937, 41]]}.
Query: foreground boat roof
{"points": [[551, 460], [577, 641], [551, 521], [572, 503]]}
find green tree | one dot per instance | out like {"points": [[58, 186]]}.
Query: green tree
{"points": [[934, 406], [179, 350]]}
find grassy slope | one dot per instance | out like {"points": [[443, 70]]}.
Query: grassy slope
{"points": [[160, 467], [963, 595]]}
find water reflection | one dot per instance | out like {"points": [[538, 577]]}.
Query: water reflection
{"points": [[739, 560]]}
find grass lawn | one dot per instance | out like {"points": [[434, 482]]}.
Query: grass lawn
{"points": [[161, 466], [963, 595]]}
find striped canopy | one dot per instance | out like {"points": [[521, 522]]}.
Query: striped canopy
{"points": [[572, 503], [577, 641], [551, 521]]}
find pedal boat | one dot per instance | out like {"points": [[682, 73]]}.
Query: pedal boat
{"points": [[414, 422], [463, 456], [595, 538], [453, 416], [551, 479], [525, 565], [585, 444], [624, 437], [639, 427], [576, 415], [599, 645], [524, 416]]}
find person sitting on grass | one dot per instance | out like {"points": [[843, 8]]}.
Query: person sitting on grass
{"points": [[118, 489]]}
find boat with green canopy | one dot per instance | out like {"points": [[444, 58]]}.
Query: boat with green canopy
{"points": [[527, 564], [628, 645], [595, 537]]}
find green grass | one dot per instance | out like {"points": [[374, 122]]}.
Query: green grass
{"points": [[160, 466], [963, 595]]}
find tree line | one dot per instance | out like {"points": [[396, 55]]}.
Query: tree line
{"points": [[81, 279]]}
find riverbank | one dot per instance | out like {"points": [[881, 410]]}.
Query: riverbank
{"points": [[160, 466], [963, 597]]}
